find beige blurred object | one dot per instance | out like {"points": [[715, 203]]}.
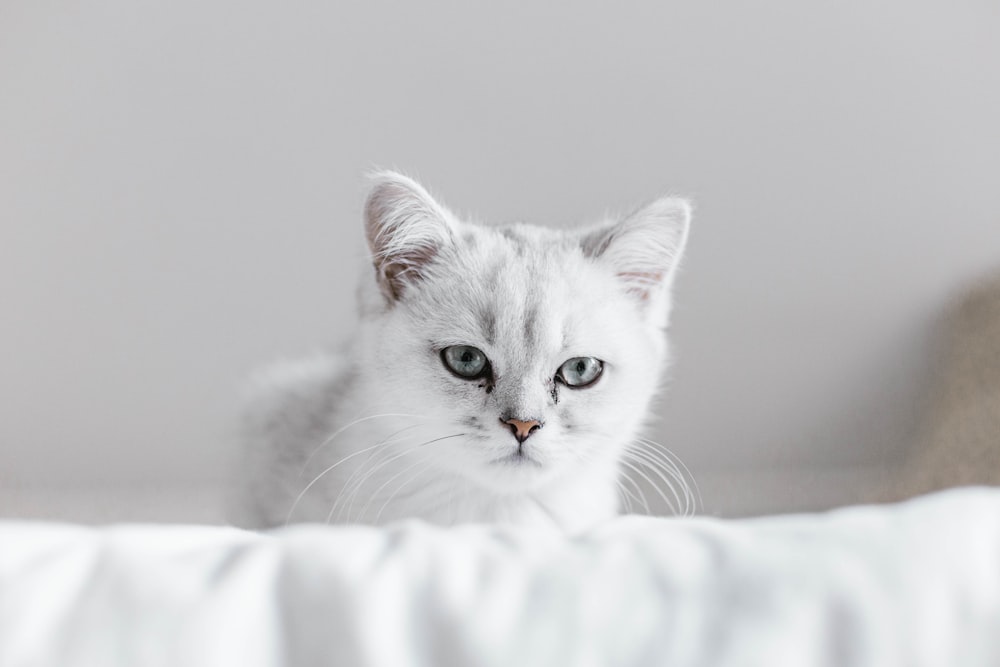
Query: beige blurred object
{"points": [[959, 443]]}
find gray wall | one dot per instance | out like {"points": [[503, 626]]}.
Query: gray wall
{"points": [[180, 189]]}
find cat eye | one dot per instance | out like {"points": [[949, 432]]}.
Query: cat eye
{"points": [[465, 361], [580, 372]]}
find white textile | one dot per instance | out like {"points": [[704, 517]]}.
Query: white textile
{"points": [[911, 584]]}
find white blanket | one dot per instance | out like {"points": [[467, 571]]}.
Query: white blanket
{"points": [[912, 584]]}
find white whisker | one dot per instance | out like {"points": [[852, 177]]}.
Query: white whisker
{"points": [[388, 500], [361, 469], [624, 495], [639, 457], [656, 488], [641, 496], [677, 464], [362, 479], [332, 437], [326, 470], [372, 472]]}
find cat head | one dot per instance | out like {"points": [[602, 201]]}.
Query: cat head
{"points": [[533, 352]]}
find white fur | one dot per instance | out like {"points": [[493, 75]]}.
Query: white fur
{"points": [[384, 431]]}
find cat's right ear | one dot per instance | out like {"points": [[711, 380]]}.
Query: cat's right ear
{"points": [[406, 229]]}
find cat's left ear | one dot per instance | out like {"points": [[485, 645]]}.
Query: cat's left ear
{"points": [[406, 230], [644, 248]]}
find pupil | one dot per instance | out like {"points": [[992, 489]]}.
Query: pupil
{"points": [[580, 367], [467, 357]]}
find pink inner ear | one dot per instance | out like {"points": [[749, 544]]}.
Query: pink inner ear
{"points": [[407, 267], [641, 283]]}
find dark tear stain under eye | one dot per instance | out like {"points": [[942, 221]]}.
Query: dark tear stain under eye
{"points": [[555, 393], [488, 382]]}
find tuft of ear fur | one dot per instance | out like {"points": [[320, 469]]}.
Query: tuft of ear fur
{"points": [[645, 247], [405, 228]]}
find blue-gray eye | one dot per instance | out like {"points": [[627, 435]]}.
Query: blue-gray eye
{"points": [[465, 361], [580, 372]]}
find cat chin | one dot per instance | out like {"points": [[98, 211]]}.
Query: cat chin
{"points": [[511, 474]]}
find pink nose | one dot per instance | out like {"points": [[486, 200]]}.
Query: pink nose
{"points": [[522, 429]]}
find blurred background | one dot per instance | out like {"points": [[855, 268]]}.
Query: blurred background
{"points": [[181, 188]]}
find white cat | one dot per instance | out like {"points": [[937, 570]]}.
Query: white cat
{"points": [[498, 374]]}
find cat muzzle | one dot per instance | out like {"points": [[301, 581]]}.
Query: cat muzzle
{"points": [[521, 429]]}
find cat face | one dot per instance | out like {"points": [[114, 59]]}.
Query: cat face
{"points": [[531, 353]]}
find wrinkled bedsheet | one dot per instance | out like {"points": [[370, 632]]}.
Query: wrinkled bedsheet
{"points": [[910, 584]]}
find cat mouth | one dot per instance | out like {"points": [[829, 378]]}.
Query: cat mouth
{"points": [[517, 459]]}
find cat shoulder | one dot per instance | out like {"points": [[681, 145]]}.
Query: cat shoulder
{"points": [[284, 389]]}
